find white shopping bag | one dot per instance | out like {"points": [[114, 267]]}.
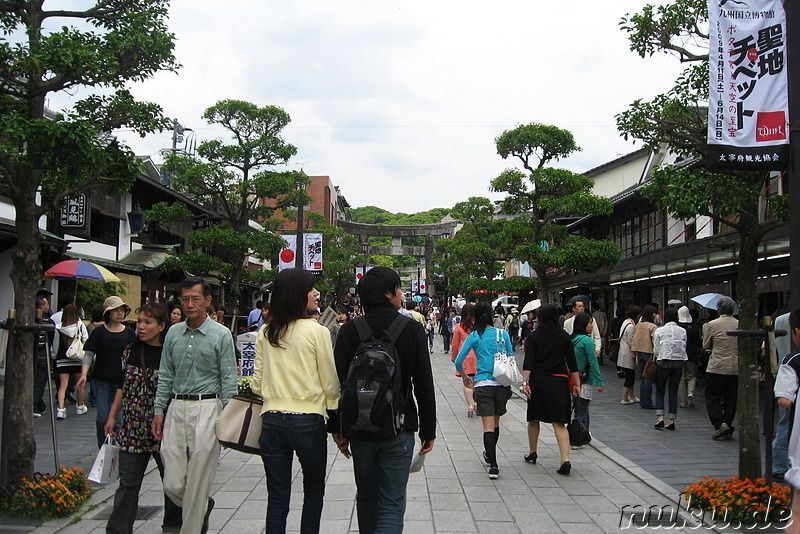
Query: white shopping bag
{"points": [[105, 465]]}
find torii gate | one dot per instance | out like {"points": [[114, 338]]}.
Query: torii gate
{"points": [[397, 232]]}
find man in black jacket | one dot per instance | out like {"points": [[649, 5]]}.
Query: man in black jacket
{"points": [[381, 467]]}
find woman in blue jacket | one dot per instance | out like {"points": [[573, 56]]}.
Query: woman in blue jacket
{"points": [[585, 357], [490, 395]]}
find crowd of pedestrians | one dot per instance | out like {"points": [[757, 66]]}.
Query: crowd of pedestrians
{"points": [[160, 388]]}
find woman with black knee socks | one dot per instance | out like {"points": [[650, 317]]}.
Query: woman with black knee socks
{"points": [[490, 395]]}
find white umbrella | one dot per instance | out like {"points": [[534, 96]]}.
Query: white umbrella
{"points": [[532, 305], [710, 300]]}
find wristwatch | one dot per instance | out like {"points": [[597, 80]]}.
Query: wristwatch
{"points": [[524, 383]]}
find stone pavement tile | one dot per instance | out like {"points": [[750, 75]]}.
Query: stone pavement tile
{"points": [[537, 523], [333, 510], [452, 521], [419, 527], [241, 482], [595, 504], [567, 512], [449, 502], [496, 527], [417, 511], [240, 526], [229, 499], [484, 493], [219, 518], [440, 471], [548, 496], [523, 504], [253, 510], [490, 511], [443, 485]]}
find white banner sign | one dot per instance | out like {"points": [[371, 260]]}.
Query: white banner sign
{"points": [[748, 112], [312, 252], [286, 258]]}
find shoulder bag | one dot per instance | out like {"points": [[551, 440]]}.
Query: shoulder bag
{"points": [[75, 350], [650, 369], [505, 369], [238, 426]]}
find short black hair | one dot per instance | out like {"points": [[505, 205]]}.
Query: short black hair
{"points": [[259, 304], [191, 281], [97, 313], [671, 315], [794, 319], [375, 284], [40, 301]]}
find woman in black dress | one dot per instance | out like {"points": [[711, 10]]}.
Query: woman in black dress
{"points": [[549, 358]]}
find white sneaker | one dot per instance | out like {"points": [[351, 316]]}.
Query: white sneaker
{"points": [[81, 409], [61, 413]]}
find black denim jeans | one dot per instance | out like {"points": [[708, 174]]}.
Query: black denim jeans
{"points": [[126, 501], [282, 435]]}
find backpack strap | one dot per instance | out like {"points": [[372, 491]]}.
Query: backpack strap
{"points": [[397, 327], [393, 332], [362, 327]]}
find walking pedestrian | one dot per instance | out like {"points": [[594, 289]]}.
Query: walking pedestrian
{"points": [[490, 395], [135, 400], [460, 335], [626, 361], [694, 344], [104, 349], [382, 466], [296, 355], [68, 327], [669, 349], [587, 365], [549, 359], [197, 377], [722, 372], [448, 326], [642, 347]]}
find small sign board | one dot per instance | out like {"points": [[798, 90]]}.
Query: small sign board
{"points": [[74, 211]]}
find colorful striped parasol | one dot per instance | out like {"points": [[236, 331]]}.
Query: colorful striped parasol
{"points": [[80, 270]]}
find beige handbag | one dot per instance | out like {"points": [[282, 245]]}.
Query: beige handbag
{"points": [[239, 425]]}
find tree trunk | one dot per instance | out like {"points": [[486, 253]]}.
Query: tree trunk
{"points": [[26, 274], [233, 292], [748, 402]]}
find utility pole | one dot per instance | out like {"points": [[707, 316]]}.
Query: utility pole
{"points": [[792, 8]]}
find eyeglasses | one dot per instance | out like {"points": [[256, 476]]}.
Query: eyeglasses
{"points": [[193, 300]]}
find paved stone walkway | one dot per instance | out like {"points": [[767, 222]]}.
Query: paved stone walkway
{"points": [[451, 494]]}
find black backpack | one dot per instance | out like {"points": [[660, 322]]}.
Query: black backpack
{"points": [[372, 405]]}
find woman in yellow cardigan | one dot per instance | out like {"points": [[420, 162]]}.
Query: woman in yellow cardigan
{"points": [[296, 377]]}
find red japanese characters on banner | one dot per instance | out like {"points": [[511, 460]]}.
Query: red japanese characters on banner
{"points": [[748, 112]]}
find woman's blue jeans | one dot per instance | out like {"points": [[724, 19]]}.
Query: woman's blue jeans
{"points": [[645, 385], [106, 391], [673, 377], [282, 435]]}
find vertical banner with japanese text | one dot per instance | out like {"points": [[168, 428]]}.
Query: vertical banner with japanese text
{"points": [[286, 258], [312, 252], [748, 112]]}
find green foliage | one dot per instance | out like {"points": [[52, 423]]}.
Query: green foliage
{"points": [[471, 260], [381, 261], [542, 142], [74, 48], [374, 215], [540, 197], [234, 178], [678, 27], [91, 293]]}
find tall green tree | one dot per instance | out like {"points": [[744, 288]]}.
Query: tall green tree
{"points": [[541, 195], [677, 120], [44, 158], [234, 178], [473, 259]]}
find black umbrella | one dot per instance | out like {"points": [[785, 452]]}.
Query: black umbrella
{"points": [[583, 298]]}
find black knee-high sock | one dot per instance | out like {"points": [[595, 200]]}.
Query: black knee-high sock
{"points": [[497, 435], [490, 444]]}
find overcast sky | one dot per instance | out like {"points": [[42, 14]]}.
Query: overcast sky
{"points": [[400, 102]]}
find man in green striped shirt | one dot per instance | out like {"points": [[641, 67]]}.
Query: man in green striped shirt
{"points": [[196, 379]]}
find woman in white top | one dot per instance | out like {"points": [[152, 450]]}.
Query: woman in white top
{"points": [[626, 359], [68, 328], [669, 348]]}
